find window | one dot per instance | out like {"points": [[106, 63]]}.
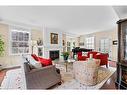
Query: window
{"points": [[105, 45], [20, 39], [68, 46], [90, 42]]}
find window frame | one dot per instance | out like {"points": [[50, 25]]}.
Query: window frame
{"points": [[104, 44], [22, 29], [91, 44]]}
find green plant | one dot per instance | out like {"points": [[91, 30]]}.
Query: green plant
{"points": [[1, 46], [65, 55]]}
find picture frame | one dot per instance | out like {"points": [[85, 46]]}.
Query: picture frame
{"points": [[54, 38], [39, 42], [115, 42], [63, 43]]}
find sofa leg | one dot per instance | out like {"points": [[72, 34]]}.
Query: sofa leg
{"points": [[60, 83], [106, 65]]}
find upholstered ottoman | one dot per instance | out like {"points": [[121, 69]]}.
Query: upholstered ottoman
{"points": [[86, 72]]}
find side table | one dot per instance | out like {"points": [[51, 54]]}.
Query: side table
{"points": [[67, 62]]}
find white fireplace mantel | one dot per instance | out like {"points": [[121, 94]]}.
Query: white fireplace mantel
{"points": [[47, 41]]}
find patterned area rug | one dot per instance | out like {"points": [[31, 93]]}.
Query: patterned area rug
{"points": [[13, 79], [70, 83]]}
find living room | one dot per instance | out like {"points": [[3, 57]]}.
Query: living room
{"points": [[72, 49]]}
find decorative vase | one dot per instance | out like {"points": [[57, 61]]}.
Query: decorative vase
{"points": [[65, 58], [91, 56], [90, 60]]}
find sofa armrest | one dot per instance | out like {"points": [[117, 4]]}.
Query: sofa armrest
{"points": [[42, 69], [42, 78]]}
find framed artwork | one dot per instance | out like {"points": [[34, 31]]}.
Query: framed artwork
{"points": [[63, 43], [39, 42], [115, 42], [54, 38], [20, 42]]}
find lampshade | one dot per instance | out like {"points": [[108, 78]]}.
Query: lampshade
{"points": [[34, 43]]}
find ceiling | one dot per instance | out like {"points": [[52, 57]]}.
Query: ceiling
{"points": [[121, 11], [72, 19]]}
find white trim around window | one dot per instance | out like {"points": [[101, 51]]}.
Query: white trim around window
{"points": [[19, 40], [90, 42]]}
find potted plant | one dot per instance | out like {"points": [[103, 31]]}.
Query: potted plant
{"points": [[65, 55], [1, 46]]}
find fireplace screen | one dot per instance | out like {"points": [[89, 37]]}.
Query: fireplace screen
{"points": [[54, 54]]}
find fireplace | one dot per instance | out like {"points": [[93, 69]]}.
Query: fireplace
{"points": [[54, 54]]}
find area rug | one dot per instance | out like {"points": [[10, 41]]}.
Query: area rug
{"points": [[13, 80], [70, 83]]}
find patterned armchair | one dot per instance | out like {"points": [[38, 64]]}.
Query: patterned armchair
{"points": [[86, 73]]}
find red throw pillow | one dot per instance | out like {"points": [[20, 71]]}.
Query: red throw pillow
{"points": [[92, 52], [35, 57], [45, 62]]}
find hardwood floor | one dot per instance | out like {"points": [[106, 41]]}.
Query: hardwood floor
{"points": [[3, 73], [110, 83]]}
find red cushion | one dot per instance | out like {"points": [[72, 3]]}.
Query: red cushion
{"points": [[45, 62], [34, 56], [92, 52], [80, 57], [103, 58], [79, 53]]}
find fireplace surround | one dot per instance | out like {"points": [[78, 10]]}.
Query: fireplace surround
{"points": [[54, 54]]}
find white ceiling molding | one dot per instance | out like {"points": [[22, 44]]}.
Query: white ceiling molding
{"points": [[12, 23], [121, 11]]}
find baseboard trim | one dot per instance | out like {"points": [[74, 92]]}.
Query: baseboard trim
{"points": [[8, 68]]}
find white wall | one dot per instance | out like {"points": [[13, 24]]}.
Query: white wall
{"points": [[111, 34], [47, 44]]}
